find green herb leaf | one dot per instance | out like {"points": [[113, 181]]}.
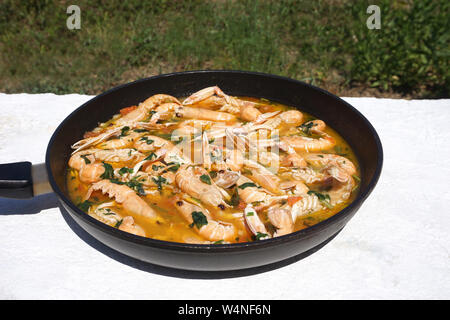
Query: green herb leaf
{"points": [[124, 170], [151, 156], [356, 177], [199, 219], [156, 168], [218, 242], [147, 140], [251, 213], [85, 205], [136, 186], [260, 235], [234, 201], [124, 131], [306, 127], [118, 223], [205, 179], [213, 174], [246, 185], [324, 198], [159, 181], [85, 158], [140, 130], [109, 171], [174, 168]]}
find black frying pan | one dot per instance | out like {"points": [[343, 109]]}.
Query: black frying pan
{"points": [[16, 180]]}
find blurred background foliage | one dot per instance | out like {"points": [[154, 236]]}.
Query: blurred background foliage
{"points": [[325, 43]]}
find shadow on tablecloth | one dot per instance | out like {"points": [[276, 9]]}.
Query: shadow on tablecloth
{"points": [[171, 272]]}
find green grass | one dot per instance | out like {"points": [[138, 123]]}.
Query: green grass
{"points": [[325, 43]]}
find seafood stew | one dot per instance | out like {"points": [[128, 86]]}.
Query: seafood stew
{"points": [[211, 168]]}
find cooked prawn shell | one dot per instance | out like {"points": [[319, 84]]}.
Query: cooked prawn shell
{"points": [[254, 223], [189, 180], [213, 230], [126, 196], [281, 219], [308, 144]]}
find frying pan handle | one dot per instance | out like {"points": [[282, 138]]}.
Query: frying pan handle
{"points": [[22, 180]]}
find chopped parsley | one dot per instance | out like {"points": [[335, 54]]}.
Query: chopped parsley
{"points": [[339, 151], [218, 242], [151, 156], [125, 170], [156, 168], [199, 219], [140, 130], [247, 184], [324, 198], [260, 235], [109, 171], [85, 205], [136, 186], [133, 184], [118, 223], [124, 131], [213, 174], [356, 177], [205, 179], [159, 181], [306, 127], [251, 213], [147, 140], [234, 201], [85, 158], [173, 167]]}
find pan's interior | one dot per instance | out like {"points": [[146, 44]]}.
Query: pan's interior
{"points": [[336, 113]]}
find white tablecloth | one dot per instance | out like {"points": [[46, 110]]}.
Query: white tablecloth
{"points": [[396, 247]]}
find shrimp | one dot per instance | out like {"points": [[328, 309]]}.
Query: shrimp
{"points": [[87, 142], [282, 220], [145, 107], [91, 173], [246, 109], [190, 181], [313, 126], [308, 144], [81, 159], [234, 159], [289, 118], [125, 141], [249, 192], [168, 110], [205, 114], [297, 187], [104, 214], [342, 187], [264, 177], [150, 143], [226, 178], [123, 194], [293, 160], [254, 223], [204, 223], [306, 205], [128, 225], [88, 170], [88, 156], [319, 160]]}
